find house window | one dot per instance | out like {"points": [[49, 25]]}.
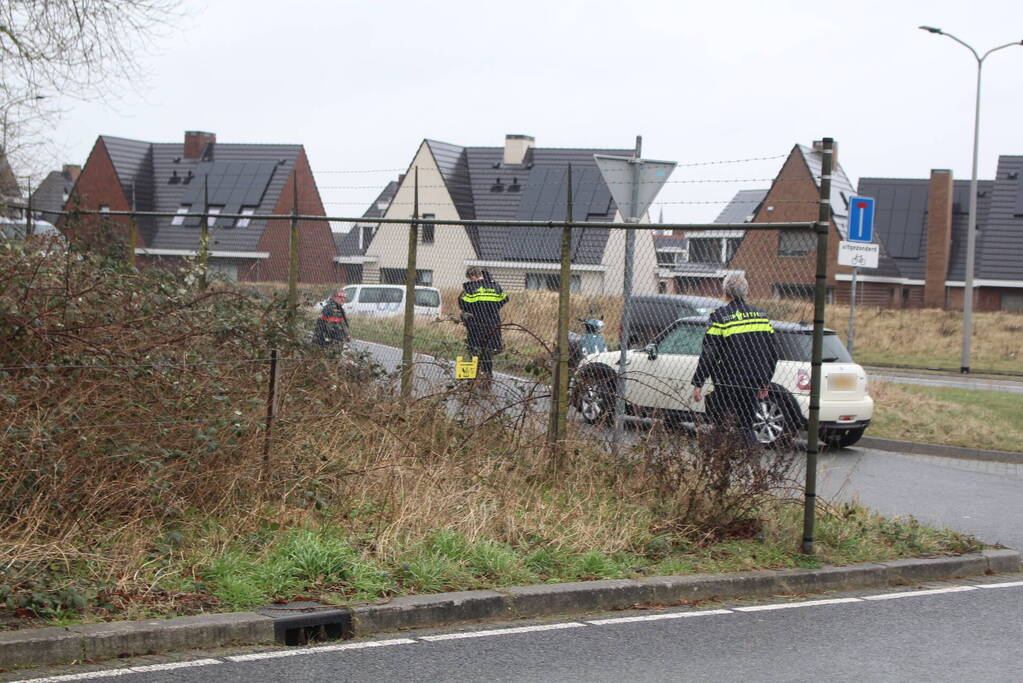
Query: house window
{"points": [[213, 211], [426, 232], [396, 276], [704, 250], [552, 283], [244, 222], [796, 242], [179, 219]]}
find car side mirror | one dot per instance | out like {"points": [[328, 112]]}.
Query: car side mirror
{"points": [[651, 351]]}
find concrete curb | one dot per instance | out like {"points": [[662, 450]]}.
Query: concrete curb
{"points": [[69, 644], [916, 448]]}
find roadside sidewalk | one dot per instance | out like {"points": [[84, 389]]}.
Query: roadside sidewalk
{"points": [[299, 623]]}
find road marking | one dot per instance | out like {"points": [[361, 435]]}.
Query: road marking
{"points": [[1008, 584], [913, 594], [111, 673], [657, 617], [503, 631], [804, 603], [317, 650]]}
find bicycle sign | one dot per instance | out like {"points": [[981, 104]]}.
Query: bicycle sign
{"points": [[858, 254]]}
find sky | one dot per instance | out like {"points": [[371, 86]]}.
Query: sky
{"points": [[360, 84]]}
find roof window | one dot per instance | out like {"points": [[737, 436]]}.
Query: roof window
{"points": [[179, 219]]}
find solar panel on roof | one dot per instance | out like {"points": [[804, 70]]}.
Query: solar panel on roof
{"points": [[230, 184]]}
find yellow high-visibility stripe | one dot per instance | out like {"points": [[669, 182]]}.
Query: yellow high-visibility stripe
{"points": [[484, 295], [732, 330]]}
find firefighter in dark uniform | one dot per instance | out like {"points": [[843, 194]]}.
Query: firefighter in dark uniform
{"points": [[740, 351], [481, 301], [332, 326]]}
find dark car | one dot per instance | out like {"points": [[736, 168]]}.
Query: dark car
{"points": [[651, 313]]}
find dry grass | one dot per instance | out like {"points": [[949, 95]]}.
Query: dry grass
{"points": [[955, 417]]}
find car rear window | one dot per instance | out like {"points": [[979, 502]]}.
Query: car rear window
{"points": [[427, 297], [797, 347], [380, 295]]}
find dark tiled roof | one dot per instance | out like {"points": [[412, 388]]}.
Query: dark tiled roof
{"points": [[742, 206], [1000, 240], [51, 195], [147, 170], [900, 222], [347, 243], [537, 191]]}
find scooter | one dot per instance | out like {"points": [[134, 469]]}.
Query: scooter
{"points": [[592, 341]]}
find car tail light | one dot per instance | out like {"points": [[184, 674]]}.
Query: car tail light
{"points": [[803, 380]]}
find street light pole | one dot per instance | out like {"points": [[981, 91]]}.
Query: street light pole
{"points": [[971, 230]]}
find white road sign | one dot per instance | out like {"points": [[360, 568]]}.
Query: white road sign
{"points": [[858, 254], [620, 178]]}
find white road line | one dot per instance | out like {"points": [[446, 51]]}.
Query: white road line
{"points": [[657, 617], [1008, 584], [804, 603], [913, 594], [111, 673], [503, 631], [317, 650]]}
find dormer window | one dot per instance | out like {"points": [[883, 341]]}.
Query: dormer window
{"points": [[213, 211], [179, 219], [244, 222]]}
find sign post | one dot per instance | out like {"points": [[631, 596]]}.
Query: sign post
{"points": [[634, 183], [858, 251]]}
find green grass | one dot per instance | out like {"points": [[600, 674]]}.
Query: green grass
{"points": [[954, 417]]}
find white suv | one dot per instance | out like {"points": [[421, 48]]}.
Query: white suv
{"points": [[658, 384]]}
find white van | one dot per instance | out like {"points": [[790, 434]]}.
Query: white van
{"points": [[388, 301]]}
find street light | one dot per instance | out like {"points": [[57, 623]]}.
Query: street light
{"points": [[971, 231]]}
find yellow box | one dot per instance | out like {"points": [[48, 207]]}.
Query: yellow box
{"points": [[466, 369]]}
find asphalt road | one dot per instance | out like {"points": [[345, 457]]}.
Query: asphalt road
{"points": [[969, 631]]}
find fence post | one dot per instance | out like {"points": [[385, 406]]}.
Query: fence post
{"points": [[204, 235], [819, 300], [559, 395], [410, 291], [623, 353], [293, 257], [271, 399]]}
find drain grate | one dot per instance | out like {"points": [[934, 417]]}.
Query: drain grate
{"points": [[301, 622]]}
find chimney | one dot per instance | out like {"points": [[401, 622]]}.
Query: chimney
{"points": [[939, 237], [818, 146], [71, 172], [196, 141], [515, 148]]}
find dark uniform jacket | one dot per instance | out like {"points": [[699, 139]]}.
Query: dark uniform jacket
{"points": [[739, 348], [333, 324], [481, 302]]}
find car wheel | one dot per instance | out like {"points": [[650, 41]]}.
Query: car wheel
{"points": [[843, 438], [771, 423], [596, 402]]}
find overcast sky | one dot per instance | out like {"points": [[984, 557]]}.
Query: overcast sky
{"points": [[361, 83]]}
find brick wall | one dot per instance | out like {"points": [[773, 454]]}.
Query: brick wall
{"points": [[316, 243], [97, 185], [939, 237], [792, 198]]}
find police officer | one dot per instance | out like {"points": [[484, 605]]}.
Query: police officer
{"points": [[481, 301], [740, 351]]}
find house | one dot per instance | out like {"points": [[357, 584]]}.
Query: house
{"points": [[186, 177], [353, 241], [10, 191], [50, 196], [518, 181], [696, 261], [782, 264], [923, 225]]}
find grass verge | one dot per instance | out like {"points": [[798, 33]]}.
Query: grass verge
{"points": [[948, 416]]}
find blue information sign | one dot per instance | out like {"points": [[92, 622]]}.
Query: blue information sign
{"points": [[861, 219]]}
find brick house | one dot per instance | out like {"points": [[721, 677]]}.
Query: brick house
{"points": [[923, 224], [251, 179]]}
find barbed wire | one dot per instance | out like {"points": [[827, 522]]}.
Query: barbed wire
{"points": [[161, 366], [583, 183]]}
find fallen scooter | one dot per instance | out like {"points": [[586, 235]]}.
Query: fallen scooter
{"points": [[591, 341]]}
